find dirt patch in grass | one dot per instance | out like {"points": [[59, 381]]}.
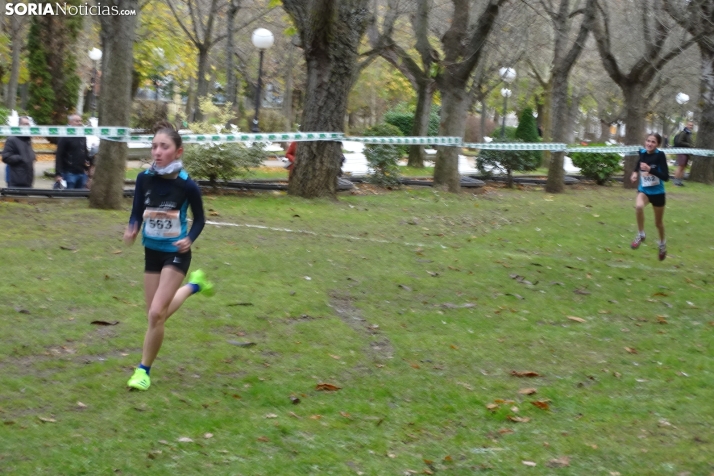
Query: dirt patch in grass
{"points": [[380, 348]]}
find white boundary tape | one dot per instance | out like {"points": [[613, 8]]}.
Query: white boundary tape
{"points": [[326, 235], [124, 134]]}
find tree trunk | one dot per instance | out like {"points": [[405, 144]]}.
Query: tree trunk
{"points": [[17, 41], [191, 99], [425, 95], [202, 83], [331, 33], [547, 123], [108, 184], [635, 120], [482, 124], [231, 83], [453, 123], [572, 119], [559, 108], [703, 167], [288, 97]]}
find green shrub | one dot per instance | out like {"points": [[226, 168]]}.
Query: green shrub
{"points": [[144, 113], [510, 134], [383, 158], [597, 167], [4, 114], [224, 161], [527, 131], [508, 161], [221, 161], [269, 120], [403, 119]]}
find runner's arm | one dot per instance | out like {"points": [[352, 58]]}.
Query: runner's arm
{"points": [[137, 209], [193, 194], [662, 169]]}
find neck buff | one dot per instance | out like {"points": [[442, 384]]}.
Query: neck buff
{"points": [[171, 168]]}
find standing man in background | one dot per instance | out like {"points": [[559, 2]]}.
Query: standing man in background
{"points": [[683, 139], [72, 160], [19, 159]]}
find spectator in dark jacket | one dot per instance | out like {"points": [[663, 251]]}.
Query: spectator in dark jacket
{"points": [[72, 160], [19, 159], [683, 139]]}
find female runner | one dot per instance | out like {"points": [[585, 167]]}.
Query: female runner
{"points": [[653, 171], [162, 196]]}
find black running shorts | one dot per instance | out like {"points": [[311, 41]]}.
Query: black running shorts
{"points": [[656, 200], [155, 261]]}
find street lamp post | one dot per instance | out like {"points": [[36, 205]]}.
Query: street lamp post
{"points": [[682, 99], [95, 55], [508, 75], [262, 39]]}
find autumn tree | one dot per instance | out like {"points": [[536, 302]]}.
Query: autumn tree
{"points": [[697, 16], [463, 45], [52, 62], [650, 44], [330, 33], [117, 44]]}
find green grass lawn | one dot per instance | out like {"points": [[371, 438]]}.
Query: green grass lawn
{"points": [[420, 306]]}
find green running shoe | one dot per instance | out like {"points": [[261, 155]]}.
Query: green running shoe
{"points": [[198, 277], [140, 380]]}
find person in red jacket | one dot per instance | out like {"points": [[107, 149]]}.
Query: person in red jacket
{"points": [[290, 155]]}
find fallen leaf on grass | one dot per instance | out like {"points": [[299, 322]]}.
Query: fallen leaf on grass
{"points": [[542, 404], [346, 415], [271, 415], [527, 391], [449, 305], [185, 439], [104, 323], [208, 435], [661, 320], [22, 311], [493, 406], [81, 405], [117, 252], [294, 400], [582, 291], [68, 248], [517, 296], [263, 439], [315, 417], [526, 373], [529, 463], [327, 387], [240, 304], [241, 344], [517, 419], [561, 462], [47, 420], [576, 319], [405, 287], [294, 415], [505, 431], [631, 350]]}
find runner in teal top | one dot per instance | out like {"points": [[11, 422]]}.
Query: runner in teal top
{"points": [[651, 171]]}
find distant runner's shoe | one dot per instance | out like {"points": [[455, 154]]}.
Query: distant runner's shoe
{"points": [[662, 251], [140, 380], [198, 278], [637, 241]]}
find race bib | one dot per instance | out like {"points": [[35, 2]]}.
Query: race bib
{"points": [[161, 223], [649, 180]]}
